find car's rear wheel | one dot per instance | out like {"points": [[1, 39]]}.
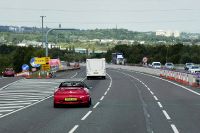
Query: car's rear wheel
{"points": [[89, 103], [55, 105], [103, 77]]}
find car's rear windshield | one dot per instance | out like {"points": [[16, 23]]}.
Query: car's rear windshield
{"points": [[8, 69], [72, 84], [156, 64], [169, 64], [195, 67]]}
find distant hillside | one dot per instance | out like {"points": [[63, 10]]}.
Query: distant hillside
{"points": [[13, 35]]}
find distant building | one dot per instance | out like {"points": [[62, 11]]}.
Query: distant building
{"points": [[160, 33], [103, 41], [177, 34], [168, 33], [81, 50], [36, 44]]}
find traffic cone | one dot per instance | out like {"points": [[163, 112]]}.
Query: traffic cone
{"points": [[28, 76], [47, 77], [39, 76]]}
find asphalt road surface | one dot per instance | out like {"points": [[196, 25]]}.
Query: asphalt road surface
{"points": [[126, 102]]}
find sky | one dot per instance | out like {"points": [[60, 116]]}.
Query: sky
{"points": [[135, 15]]}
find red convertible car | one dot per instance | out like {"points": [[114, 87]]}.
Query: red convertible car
{"points": [[72, 92]]}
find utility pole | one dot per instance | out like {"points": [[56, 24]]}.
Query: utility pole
{"points": [[42, 29]]}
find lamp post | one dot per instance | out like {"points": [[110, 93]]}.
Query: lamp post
{"points": [[42, 29], [46, 40], [167, 54]]}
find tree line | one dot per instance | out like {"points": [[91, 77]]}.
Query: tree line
{"points": [[15, 57], [178, 53]]}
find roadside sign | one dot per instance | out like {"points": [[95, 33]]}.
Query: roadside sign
{"points": [[34, 69], [45, 67], [47, 59], [145, 59], [42, 60], [33, 64], [25, 67]]}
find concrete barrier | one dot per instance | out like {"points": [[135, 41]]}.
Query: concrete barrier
{"points": [[180, 77]]}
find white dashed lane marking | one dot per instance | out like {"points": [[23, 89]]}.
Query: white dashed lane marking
{"points": [[166, 115], [84, 117], [73, 129], [160, 105], [96, 105], [175, 130], [155, 98], [102, 98], [89, 112]]}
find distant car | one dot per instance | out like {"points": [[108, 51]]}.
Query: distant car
{"points": [[8, 72], [188, 66], [194, 69], [156, 65], [169, 65], [72, 92]]}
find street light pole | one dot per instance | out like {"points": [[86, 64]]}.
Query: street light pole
{"points": [[42, 29], [46, 40], [167, 54]]}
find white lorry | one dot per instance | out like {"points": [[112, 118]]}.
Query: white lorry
{"points": [[96, 68]]}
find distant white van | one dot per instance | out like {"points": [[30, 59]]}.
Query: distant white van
{"points": [[156, 65]]}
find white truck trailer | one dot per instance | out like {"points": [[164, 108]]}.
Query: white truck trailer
{"points": [[96, 68]]}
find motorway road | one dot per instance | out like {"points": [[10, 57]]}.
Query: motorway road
{"points": [[126, 102]]}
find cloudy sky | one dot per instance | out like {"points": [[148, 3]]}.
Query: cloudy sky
{"points": [[136, 15]]}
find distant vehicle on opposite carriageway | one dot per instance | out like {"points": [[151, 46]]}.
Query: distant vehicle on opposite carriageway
{"points": [[118, 58]]}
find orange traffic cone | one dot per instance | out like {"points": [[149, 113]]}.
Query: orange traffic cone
{"points": [[47, 77], [39, 76], [28, 76]]}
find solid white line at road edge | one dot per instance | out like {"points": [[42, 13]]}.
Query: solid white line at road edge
{"points": [[73, 129], [84, 117]]}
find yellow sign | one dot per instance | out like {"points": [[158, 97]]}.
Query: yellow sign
{"points": [[42, 60], [45, 67], [47, 59]]}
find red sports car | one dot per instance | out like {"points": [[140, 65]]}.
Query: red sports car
{"points": [[9, 72], [72, 92]]}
